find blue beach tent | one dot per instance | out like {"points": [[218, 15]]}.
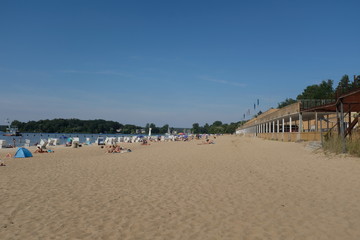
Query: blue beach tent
{"points": [[22, 153]]}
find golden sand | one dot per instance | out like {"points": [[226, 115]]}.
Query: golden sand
{"points": [[238, 188]]}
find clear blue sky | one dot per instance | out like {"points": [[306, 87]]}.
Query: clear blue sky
{"points": [[168, 62]]}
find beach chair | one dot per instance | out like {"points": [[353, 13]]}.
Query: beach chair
{"points": [[76, 140], [56, 141], [27, 143], [100, 141], [107, 141], [110, 141], [51, 142], [43, 143], [3, 143]]}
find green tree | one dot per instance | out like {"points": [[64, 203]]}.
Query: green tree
{"points": [[217, 123], [216, 127], [231, 128], [356, 82], [164, 129], [343, 85], [206, 128], [196, 128], [324, 90], [154, 129], [287, 102], [70, 126]]}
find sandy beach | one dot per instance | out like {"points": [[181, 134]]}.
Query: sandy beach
{"points": [[237, 188]]}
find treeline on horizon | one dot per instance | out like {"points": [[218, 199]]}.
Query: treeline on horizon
{"points": [[97, 126]]}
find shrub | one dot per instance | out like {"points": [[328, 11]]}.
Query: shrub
{"points": [[353, 145], [333, 144]]}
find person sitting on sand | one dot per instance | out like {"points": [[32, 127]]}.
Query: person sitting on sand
{"points": [[110, 149], [39, 150], [144, 142], [117, 149]]}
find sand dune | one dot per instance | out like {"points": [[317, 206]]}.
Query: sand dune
{"points": [[238, 188]]}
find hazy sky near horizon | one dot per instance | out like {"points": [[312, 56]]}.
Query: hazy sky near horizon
{"points": [[169, 62]]}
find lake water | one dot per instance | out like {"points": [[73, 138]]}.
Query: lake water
{"points": [[36, 137]]}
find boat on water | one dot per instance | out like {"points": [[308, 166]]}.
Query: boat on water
{"points": [[11, 131]]}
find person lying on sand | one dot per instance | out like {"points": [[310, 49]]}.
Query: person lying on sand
{"points": [[40, 150], [207, 142]]}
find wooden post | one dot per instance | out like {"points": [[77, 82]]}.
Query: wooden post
{"points": [[342, 131], [327, 123], [338, 119], [321, 134], [300, 129], [349, 120]]}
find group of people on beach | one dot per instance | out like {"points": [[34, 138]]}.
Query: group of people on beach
{"points": [[116, 149]]}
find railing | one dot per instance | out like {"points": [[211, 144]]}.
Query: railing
{"points": [[310, 103], [347, 89]]}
